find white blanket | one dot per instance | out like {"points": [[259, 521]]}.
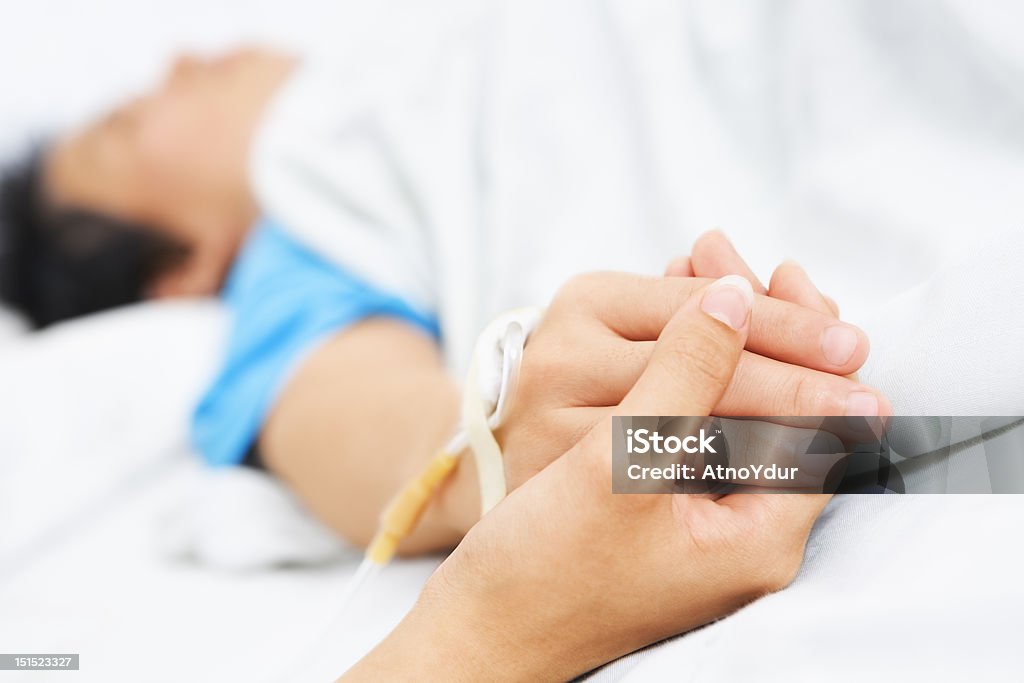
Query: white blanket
{"points": [[871, 142], [475, 174], [880, 145]]}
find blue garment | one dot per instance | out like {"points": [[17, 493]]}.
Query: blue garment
{"points": [[283, 299]]}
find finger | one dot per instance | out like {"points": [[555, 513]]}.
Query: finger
{"points": [[638, 308], [803, 456], [679, 267], [764, 386], [696, 354], [790, 283], [714, 256], [832, 305], [760, 387]]}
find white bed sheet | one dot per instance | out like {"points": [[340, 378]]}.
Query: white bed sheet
{"points": [[93, 461], [84, 482], [93, 414], [105, 591], [88, 405]]}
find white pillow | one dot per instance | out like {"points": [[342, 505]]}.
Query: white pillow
{"points": [[86, 404], [12, 325]]}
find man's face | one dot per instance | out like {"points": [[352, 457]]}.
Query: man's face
{"points": [[176, 158]]}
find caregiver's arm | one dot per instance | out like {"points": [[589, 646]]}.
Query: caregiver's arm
{"points": [[564, 575]]}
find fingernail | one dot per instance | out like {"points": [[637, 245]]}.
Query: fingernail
{"points": [[729, 300], [861, 403], [838, 343]]}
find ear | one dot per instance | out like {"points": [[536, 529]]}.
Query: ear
{"points": [[200, 274]]}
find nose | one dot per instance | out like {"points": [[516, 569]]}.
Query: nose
{"points": [[184, 67]]}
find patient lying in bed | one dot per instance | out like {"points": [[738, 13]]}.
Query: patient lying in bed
{"points": [[342, 401], [311, 341]]}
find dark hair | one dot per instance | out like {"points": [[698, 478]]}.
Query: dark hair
{"points": [[61, 262]]}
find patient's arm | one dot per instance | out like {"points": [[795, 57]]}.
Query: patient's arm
{"points": [[364, 412], [371, 406]]}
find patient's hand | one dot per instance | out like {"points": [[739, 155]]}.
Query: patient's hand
{"points": [[714, 256], [564, 575], [599, 332]]}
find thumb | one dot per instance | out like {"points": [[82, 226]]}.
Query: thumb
{"points": [[696, 354]]}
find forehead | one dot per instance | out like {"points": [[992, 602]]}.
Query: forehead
{"points": [[93, 167]]}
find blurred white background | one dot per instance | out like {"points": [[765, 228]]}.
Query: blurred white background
{"points": [[91, 447], [62, 61], [92, 413]]}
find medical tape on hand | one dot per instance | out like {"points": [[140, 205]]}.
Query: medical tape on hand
{"points": [[485, 396], [490, 467]]}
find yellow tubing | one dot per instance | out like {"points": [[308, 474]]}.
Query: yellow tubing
{"points": [[406, 508]]}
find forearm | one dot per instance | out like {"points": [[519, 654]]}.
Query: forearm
{"points": [[361, 416]]}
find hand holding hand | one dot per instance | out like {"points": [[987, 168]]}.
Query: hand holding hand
{"points": [[564, 575], [598, 334]]}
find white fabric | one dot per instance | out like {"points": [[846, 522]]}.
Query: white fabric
{"points": [[870, 141], [892, 588], [880, 145], [95, 466], [239, 519], [12, 325], [81, 68], [91, 406]]}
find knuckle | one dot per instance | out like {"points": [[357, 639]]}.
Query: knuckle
{"points": [[814, 393], [586, 292], [805, 396], [579, 288], [798, 395], [568, 291]]}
